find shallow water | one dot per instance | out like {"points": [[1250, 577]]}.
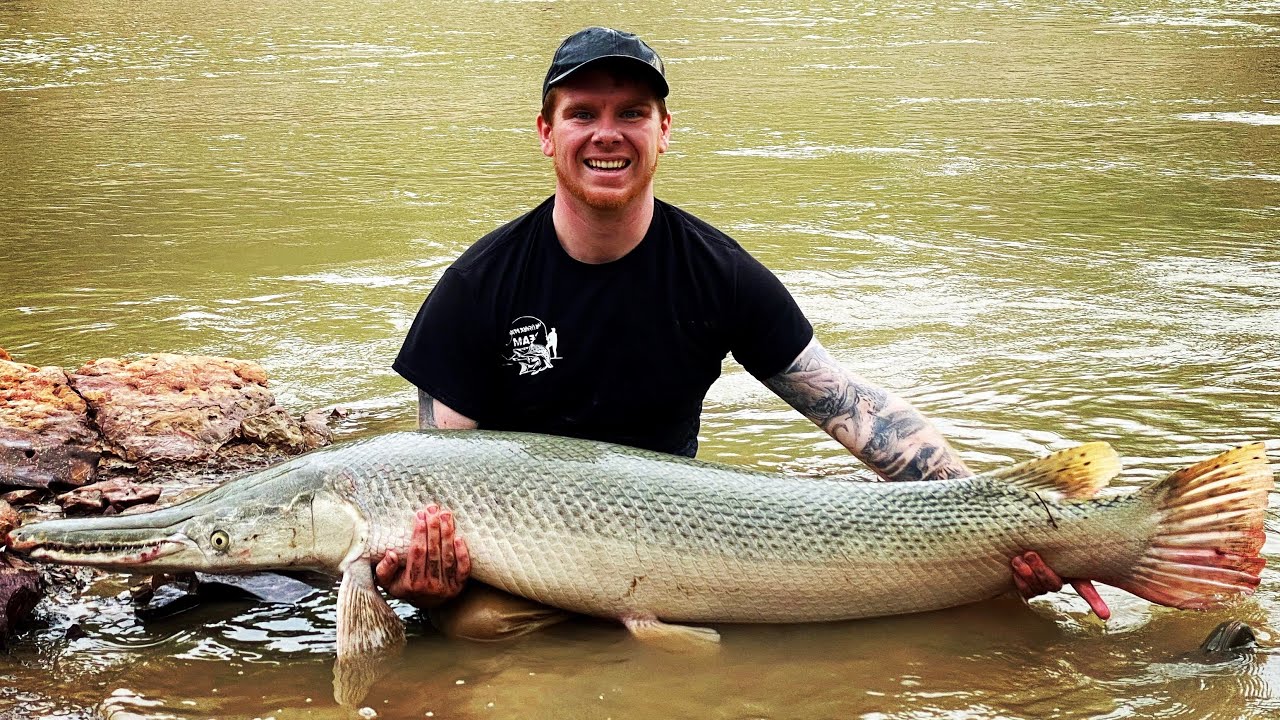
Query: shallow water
{"points": [[1043, 223]]}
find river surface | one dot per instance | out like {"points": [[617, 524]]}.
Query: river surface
{"points": [[1044, 223]]}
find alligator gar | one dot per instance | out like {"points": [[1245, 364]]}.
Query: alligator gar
{"points": [[657, 541]]}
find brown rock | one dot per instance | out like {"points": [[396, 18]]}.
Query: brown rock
{"points": [[20, 590], [274, 428], [4, 355], [171, 407], [46, 436], [8, 521], [315, 428], [21, 497], [20, 587], [110, 495], [34, 462]]}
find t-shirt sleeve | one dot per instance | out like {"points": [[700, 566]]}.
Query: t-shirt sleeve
{"points": [[770, 330], [444, 352]]}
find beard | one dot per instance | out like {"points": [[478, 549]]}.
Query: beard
{"points": [[606, 200]]}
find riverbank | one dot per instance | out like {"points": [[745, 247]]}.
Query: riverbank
{"points": [[125, 435]]}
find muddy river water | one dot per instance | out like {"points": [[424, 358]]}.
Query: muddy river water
{"points": [[1043, 222]]}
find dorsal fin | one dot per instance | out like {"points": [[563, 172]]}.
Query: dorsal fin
{"points": [[1074, 473]]}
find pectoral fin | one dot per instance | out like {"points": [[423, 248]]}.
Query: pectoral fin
{"points": [[672, 638], [366, 624]]}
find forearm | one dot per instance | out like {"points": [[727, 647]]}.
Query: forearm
{"points": [[880, 429]]}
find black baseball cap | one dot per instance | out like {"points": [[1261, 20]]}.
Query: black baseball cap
{"points": [[600, 43]]}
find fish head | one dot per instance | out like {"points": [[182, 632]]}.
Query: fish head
{"points": [[277, 519], [273, 535]]}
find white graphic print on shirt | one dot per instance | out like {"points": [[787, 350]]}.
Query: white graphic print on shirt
{"points": [[531, 346]]}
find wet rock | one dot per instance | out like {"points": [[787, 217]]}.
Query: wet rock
{"points": [[21, 497], [162, 596], [8, 521], [112, 495], [46, 436], [273, 427], [1228, 638], [38, 463], [44, 511], [315, 427], [20, 590], [4, 355], [173, 418], [171, 407]]}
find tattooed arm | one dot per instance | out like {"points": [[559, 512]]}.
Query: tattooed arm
{"points": [[434, 414], [879, 428], [895, 440]]}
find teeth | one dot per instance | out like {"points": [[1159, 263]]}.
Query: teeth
{"points": [[606, 164]]}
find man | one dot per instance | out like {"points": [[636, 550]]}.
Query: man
{"points": [[605, 313]]}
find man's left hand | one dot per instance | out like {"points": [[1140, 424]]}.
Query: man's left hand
{"points": [[1033, 577]]}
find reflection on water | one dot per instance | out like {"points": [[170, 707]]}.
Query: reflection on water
{"points": [[1044, 223]]}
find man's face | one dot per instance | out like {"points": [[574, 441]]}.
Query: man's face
{"points": [[605, 136]]}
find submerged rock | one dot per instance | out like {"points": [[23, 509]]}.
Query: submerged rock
{"points": [[1230, 637], [161, 596]]}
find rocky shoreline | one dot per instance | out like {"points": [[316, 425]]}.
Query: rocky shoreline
{"points": [[115, 435]]}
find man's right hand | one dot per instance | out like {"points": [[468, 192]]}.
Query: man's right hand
{"points": [[437, 565]]}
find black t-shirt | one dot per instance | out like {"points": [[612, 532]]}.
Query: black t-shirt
{"points": [[518, 335]]}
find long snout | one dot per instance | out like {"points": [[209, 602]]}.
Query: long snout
{"points": [[122, 541]]}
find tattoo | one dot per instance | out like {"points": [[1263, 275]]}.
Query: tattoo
{"points": [[426, 410], [882, 430]]}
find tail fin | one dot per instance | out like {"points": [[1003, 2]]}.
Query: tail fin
{"points": [[1209, 534]]}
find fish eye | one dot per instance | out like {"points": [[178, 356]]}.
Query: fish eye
{"points": [[220, 540]]}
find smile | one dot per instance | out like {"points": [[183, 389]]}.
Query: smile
{"points": [[607, 164]]}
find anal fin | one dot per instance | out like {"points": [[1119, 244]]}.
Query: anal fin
{"points": [[672, 638]]}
